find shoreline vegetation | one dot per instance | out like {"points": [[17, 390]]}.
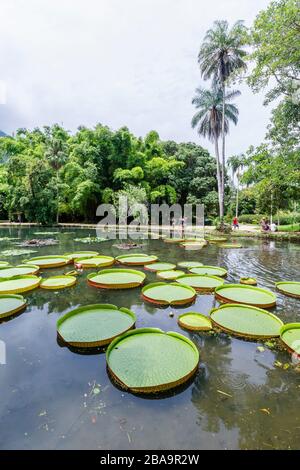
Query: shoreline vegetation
{"points": [[247, 231]]}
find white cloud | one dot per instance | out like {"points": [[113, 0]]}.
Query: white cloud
{"points": [[118, 62]]}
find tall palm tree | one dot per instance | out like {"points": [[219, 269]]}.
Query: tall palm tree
{"points": [[209, 117], [221, 57], [236, 163], [56, 154]]}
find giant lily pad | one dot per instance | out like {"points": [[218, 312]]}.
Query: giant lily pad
{"points": [[10, 271], [137, 259], [46, 233], [49, 261], [246, 321], [11, 304], [4, 263], [189, 264], [173, 240], [160, 266], [290, 335], [95, 261], [194, 322], [17, 252], [18, 284], [250, 295], [200, 282], [94, 325], [90, 240], [170, 275], [216, 239], [230, 245], [116, 278], [81, 254], [58, 282], [193, 245], [148, 360], [209, 270], [292, 289], [168, 294]]}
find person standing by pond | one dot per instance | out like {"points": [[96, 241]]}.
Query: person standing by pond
{"points": [[235, 223]]}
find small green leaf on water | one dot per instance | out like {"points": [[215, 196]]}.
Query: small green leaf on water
{"points": [[43, 413], [260, 348], [265, 410], [286, 366], [278, 364], [96, 390], [269, 344]]}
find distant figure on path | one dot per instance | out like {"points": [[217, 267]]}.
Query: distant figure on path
{"points": [[235, 223]]}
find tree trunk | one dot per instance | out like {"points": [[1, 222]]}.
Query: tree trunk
{"points": [[223, 151], [237, 195], [221, 201], [57, 199]]}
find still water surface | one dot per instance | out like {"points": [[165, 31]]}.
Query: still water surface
{"points": [[48, 398]]}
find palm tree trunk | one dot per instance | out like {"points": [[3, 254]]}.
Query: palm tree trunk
{"points": [[237, 195], [223, 148], [219, 180], [57, 199]]}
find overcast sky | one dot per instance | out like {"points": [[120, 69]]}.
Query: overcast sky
{"points": [[118, 62]]}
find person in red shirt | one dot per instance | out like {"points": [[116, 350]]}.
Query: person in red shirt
{"points": [[235, 223]]}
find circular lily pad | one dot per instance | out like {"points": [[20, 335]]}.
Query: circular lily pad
{"points": [[194, 322], [10, 271], [200, 282], [160, 266], [49, 261], [58, 282], [170, 275], [168, 294], [216, 239], [292, 289], [137, 259], [11, 304], [249, 281], [116, 279], [81, 254], [246, 321], [209, 270], [94, 325], [250, 295], [173, 240], [192, 245], [290, 335], [230, 245], [18, 284], [4, 263], [189, 264], [148, 360], [95, 261]]}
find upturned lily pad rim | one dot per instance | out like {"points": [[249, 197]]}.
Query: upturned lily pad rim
{"points": [[245, 335], [223, 298], [85, 254], [67, 281], [9, 313], [64, 260], [248, 281], [84, 261], [176, 272], [151, 266], [20, 289], [286, 327], [279, 287], [120, 259], [204, 276], [86, 308], [160, 387], [187, 300], [223, 271], [186, 326], [114, 285]]}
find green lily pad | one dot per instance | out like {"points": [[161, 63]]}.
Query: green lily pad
{"points": [[21, 269], [49, 261], [194, 321], [116, 278], [290, 335], [18, 284], [8, 239], [58, 282], [95, 261], [168, 294], [216, 239], [230, 245], [173, 240], [209, 270], [250, 295], [170, 275], [201, 282], [291, 289], [81, 254], [189, 264], [246, 321], [4, 263], [94, 325], [249, 281], [137, 259], [90, 240], [17, 252], [148, 360], [11, 304], [46, 233], [160, 266], [193, 245]]}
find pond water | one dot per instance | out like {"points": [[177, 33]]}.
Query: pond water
{"points": [[49, 394]]}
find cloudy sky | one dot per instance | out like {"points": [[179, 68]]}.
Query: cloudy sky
{"points": [[118, 62]]}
